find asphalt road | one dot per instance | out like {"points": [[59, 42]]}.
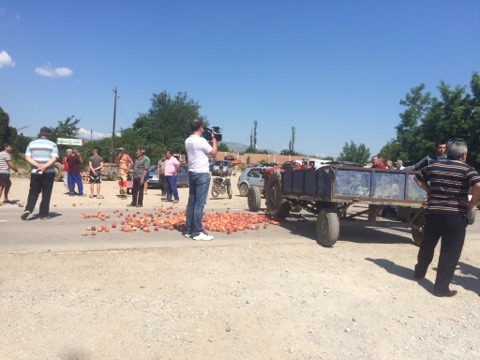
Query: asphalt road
{"points": [[64, 233]]}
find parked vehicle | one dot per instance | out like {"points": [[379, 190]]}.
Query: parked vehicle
{"points": [[222, 167], [222, 185], [252, 176], [182, 177]]}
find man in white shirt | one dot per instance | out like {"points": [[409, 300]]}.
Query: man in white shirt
{"points": [[198, 150]]}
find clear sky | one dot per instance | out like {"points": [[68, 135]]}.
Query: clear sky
{"points": [[336, 70]]}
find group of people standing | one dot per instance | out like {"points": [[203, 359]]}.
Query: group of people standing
{"points": [[446, 179], [443, 175], [72, 165]]}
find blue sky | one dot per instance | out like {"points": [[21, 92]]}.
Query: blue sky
{"points": [[336, 70]]}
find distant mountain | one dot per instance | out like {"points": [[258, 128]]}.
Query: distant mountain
{"points": [[238, 147]]}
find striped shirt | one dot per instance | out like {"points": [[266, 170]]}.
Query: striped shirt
{"points": [[4, 159], [42, 150], [449, 183]]}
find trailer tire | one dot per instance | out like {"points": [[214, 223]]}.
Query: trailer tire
{"points": [[417, 236], [58, 171], [254, 199], [276, 205], [471, 217], [328, 227]]}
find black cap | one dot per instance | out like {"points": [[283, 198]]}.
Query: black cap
{"points": [[45, 131]]}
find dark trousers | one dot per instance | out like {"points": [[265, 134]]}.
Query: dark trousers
{"points": [[137, 192], [40, 183], [452, 229]]}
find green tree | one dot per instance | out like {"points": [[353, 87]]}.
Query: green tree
{"points": [[351, 152], [223, 147], [454, 115], [7, 133], [165, 126], [66, 129]]}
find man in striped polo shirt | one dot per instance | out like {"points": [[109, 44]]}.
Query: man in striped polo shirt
{"points": [[41, 154], [446, 183]]}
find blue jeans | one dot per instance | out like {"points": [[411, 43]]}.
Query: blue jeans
{"points": [[171, 187], [197, 198], [73, 179]]}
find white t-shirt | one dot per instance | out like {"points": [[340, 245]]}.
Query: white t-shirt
{"points": [[197, 150]]}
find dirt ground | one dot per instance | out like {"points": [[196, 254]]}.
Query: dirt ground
{"points": [[229, 299]]}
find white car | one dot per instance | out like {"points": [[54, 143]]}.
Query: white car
{"points": [[252, 176]]}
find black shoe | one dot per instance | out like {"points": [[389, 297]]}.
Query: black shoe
{"points": [[25, 215], [448, 293], [418, 273]]}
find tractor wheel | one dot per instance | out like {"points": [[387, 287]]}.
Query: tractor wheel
{"points": [[328, 227], [276, 205], [58, 171], [243, 189], [254, 199]]}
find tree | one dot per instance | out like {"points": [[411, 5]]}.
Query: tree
{"points": [[454, 115], [66, 129], [223, 147], [165, 126], [351, 152], [255, 124], [291, 144], [7, 133]]}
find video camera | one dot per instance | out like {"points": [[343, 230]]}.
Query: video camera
{"points": [[208, 133]]}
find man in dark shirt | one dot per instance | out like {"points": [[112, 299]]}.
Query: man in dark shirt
{"points": [[95, 165], [140, 168], [74, 161], [439, 154], [446, 183]]}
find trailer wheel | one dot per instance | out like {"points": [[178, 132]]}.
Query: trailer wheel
{"points": [[418, 229], [417, 236], [276, 205], [254, 199], [471, 217], [58, 171], [328, 227]]}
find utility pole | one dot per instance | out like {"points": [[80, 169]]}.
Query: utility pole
{"points": [[114, 119]]}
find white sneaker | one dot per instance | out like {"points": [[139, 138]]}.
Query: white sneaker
{"points": [[203, 237]]}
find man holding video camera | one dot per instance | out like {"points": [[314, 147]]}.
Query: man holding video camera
{"points": [[198, 150]]}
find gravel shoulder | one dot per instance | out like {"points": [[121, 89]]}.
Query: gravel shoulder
{"points": [[272, 294]]}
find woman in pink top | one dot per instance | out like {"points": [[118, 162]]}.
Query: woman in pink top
{"points": [[171, 167]]}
